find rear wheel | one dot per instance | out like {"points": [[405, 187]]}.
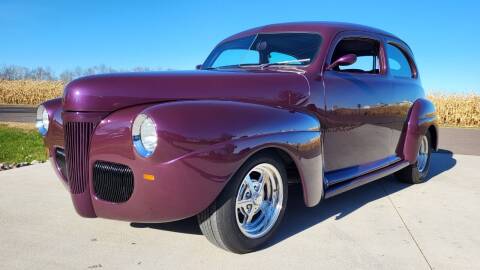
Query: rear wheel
{"points": [[418, 172], [250, 208]]}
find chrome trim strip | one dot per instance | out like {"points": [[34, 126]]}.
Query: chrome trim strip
{"points": [[362, 180], [338, 176]]}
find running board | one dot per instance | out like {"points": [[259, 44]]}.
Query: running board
{"points": [[364, 179]]}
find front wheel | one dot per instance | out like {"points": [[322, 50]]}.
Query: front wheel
{"points": [[418, 172], [250, 208]]}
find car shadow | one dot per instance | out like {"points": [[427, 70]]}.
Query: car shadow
{"points": [[298, 217], [187, 226]]}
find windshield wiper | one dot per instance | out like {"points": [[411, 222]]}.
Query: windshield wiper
{"points": [[262, 66], [232, 66]]}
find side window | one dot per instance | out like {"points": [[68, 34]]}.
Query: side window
{"points": [[398, 64], [367, 52]]}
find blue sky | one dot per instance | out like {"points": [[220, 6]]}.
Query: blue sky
{"points": [[445, 37]]}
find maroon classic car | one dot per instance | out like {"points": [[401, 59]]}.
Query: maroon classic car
{"points": [[329, 106]]}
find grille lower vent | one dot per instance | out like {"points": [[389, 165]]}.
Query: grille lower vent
{"points": [[77, 141], [61, 161], [112, 182]]}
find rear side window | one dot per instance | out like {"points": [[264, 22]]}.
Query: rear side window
{"points": [[398, 64]]}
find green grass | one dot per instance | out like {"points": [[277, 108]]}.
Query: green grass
{"points": [[20, 145]]}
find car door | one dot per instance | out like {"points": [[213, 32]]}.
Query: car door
{"points": [[358, 134], [403, 74]]}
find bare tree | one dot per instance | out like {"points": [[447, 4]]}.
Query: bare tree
{"points": [[13, 72], [41, 74]]}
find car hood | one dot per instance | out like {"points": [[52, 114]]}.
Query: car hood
{"points": [[110, 92]]}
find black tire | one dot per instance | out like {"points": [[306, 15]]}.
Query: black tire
{"points": [[411, 173], [219, 221]]}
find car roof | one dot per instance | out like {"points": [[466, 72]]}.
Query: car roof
{"points": [[324, 28]]}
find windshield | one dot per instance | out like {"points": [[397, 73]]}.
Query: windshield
{"points": [[292, 49]]}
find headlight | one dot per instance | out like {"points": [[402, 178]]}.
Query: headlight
{"points": [[42, 120], [144, 135]]}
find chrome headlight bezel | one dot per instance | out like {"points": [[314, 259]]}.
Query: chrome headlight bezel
{"points": [[144, 135], [42, 120]]}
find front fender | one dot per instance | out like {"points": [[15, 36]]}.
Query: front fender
{"points": [[201, 144], [188, 126], [55, 135], [422, 116]]}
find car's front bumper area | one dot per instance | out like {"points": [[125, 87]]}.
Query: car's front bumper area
{"points": [[119, 184], [159, 193]]}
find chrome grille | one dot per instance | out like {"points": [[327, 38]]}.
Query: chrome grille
{"points": [[77, 142]]}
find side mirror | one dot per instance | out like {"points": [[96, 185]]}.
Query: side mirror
{"points": [[198, 67], [345, 60]]}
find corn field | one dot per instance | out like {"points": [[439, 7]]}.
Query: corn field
{"points": [[29, 92], [456, 110]]}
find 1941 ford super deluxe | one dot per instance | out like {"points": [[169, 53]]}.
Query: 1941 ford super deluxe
{"points": [[330, 106]]}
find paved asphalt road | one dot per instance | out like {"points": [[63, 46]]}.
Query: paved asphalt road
{"points": [[15, 113], [383, 225], [458, 140]]}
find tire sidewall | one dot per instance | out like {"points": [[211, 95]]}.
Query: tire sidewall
{"points": [[419, 177], [231, 234]]}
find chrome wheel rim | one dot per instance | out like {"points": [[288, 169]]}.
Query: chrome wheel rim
{"points": [[259, 200], [422, 156]]}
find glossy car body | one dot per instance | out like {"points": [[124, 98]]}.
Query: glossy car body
{"points": [[334, 130]]}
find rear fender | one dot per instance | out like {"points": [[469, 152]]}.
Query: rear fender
{"points": [[422, 117]]}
